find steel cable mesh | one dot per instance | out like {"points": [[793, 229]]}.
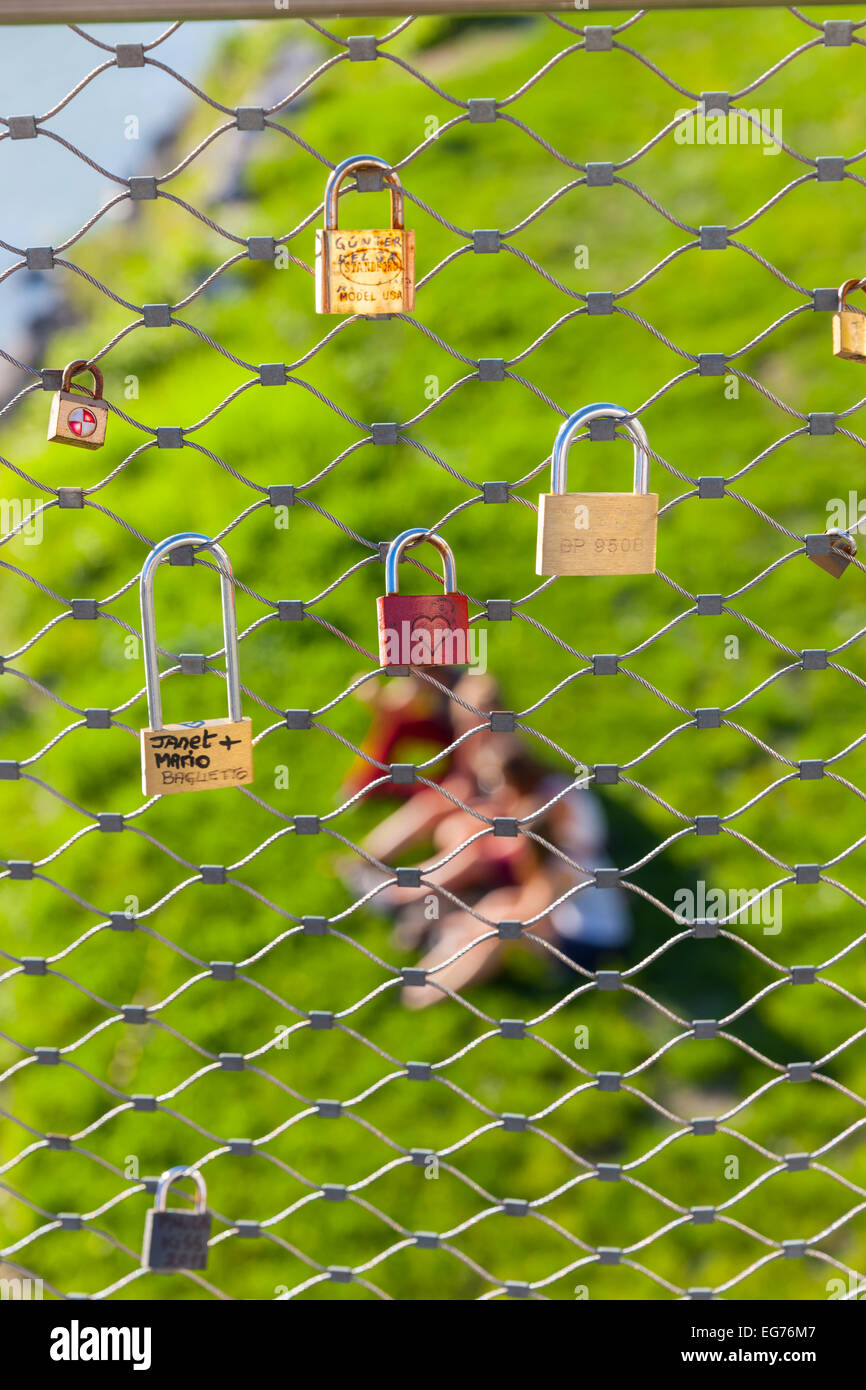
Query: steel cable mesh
{"points": [[288, 1106]]}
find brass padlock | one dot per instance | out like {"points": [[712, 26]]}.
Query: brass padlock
{"points": [[78, 419], [422, 629], [204, 754], [849, 325], [597, 532], [370, 271], [842, 548]]}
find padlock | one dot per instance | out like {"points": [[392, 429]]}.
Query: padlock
{"points": [[75, 418], [842, 548], [849, 325], [366, 272], [177, 1239], [422, 629], [204, 754], [597, 532]]}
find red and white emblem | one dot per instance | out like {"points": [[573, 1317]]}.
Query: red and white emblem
{"points": [[81, 421]]}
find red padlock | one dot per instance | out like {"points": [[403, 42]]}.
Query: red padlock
{"points": [[422, 629]]}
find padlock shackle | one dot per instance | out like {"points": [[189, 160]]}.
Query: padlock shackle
{"points": [[412, 537], [847, 288], [75, 368], [173, 1175], [160, 553], [842, 540], [350, 166], [572, 426]]}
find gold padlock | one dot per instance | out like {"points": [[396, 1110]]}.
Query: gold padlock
{"points": [[365, 272], [78, 419], [842, 549], [204, 754], [849, 325], [597, 532]]}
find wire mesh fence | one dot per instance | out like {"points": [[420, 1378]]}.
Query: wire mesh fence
{"points": [[501, 1150]]}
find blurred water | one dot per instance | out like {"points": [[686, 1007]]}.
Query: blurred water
{"points": [[48, 191]]}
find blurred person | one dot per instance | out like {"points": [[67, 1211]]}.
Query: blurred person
{"points": [[562, 844], [595, 920], [465, 856], [517, 878], [463, 781], [466, 949], [402, 712]]}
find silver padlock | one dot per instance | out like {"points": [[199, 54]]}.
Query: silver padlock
{"points": [[177, 1239]]}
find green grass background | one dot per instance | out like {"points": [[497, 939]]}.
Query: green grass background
{"points": [[592, 107]]}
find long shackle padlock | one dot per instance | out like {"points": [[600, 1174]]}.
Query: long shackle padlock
{"points": [[595, 533], [422, 629], [849, 325], [370, 271], [177, 1239], [78, 419], [203, 754]]}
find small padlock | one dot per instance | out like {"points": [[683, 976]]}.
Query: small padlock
{"points": [[204, 754], [597, 532], [177, 1239], [78, 419], [366, 272], [842, 548], [422, 629], [849, 325]]}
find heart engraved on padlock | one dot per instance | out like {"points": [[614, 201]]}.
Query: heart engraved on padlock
{"points": [[836, 554], [593, 533], [204, 754], [78, 419], [849, 325], [422, 629], [365, 272], [177, 1239]]}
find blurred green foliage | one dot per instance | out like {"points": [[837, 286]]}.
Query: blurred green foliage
{"points": [[591, 107]]}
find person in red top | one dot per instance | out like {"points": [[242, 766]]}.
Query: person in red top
{"points": [[404, 712], [541, 877]]}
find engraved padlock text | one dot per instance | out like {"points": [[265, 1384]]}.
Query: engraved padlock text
{"points": [[177, 1239]]}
